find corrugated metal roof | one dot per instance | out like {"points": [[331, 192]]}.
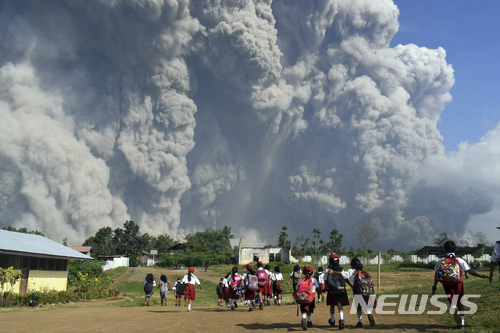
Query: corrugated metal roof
{"points": [[35, 244], [81, 249]]}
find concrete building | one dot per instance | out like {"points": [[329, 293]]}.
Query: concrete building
{"points": [[264, 254], [42, 262]]}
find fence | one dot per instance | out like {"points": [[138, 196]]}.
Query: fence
{"points": [[344, 260]]}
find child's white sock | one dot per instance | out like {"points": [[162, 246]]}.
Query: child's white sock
{"points": [[341, 315], [304, 315], [249, 304], [232, 302], [308, 318], [332, 317], [463, 320], [189, 306]]}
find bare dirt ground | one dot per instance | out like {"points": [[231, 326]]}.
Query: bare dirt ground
{"points": [[99, 316]]}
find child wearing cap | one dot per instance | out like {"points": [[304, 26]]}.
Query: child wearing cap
{"points": [[190, 280], [249, 294], [333, 301], [178, 295], [495, 257], [308, 309]]}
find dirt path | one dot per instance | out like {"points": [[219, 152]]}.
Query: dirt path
{"points": [[97, 316]]}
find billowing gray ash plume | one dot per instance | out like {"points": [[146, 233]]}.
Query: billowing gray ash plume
{"points": [[251, 113]]}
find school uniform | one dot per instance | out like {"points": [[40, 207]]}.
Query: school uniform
{"points": [[351, 275], [495, 256], [226, 289], [178, 282], [309, 307], [276, 277], [332, 299], [294, 283], [189, 292], [233, 281], [457, 288], [262, 289], [249, 294], [269, 288]]}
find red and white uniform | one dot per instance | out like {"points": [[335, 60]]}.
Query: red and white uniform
{"points": [[189, 292]]}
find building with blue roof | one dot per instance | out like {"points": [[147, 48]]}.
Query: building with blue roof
{"points": [[42, 262]]}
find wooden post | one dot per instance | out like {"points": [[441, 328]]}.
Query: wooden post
{"points": [[378, 275]]}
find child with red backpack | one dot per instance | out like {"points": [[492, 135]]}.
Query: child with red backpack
{"points": [[263, 281], [251, 282], [305, 295], [449, 272], [337, 296], [234, 281], [362, 285]]}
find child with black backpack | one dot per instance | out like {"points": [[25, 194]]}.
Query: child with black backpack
{"points": [[449, 272], [362, 285], [335, 284], [149, 288]]}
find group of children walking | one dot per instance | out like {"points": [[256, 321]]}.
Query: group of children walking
{"points": [[184, 286], [257, 287]]}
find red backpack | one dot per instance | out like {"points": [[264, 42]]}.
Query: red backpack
{"points": [[304, 293], [449, 271], [235, 280], [363, 283], [262, 276]]}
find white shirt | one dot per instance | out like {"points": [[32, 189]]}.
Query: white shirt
{"points": [[277, 276], [345, 274], [463, 264], [194, 279], [225, 282], [495, 256]]}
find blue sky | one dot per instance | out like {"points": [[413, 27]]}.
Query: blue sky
{"points": [[468, 31]]}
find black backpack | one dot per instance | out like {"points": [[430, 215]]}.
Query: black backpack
{"points": [[336, 283], [179, 289], [149, 287]]}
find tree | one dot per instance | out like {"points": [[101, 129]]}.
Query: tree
{"points": [[127, 240], [366, 235], [102, 242], [283, 240], [210, 240], [23, 230], [334, 243], [441, 239], [316, 234], [162, 243]]}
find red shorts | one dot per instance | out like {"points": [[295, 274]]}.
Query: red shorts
{"points": [[249, 295], [454, 289], [262, 289], [232, 293], [308, 307], [189, 292]]}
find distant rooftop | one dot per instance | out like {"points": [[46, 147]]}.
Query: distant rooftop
{"points": [[18, 243], [81, 249]]}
